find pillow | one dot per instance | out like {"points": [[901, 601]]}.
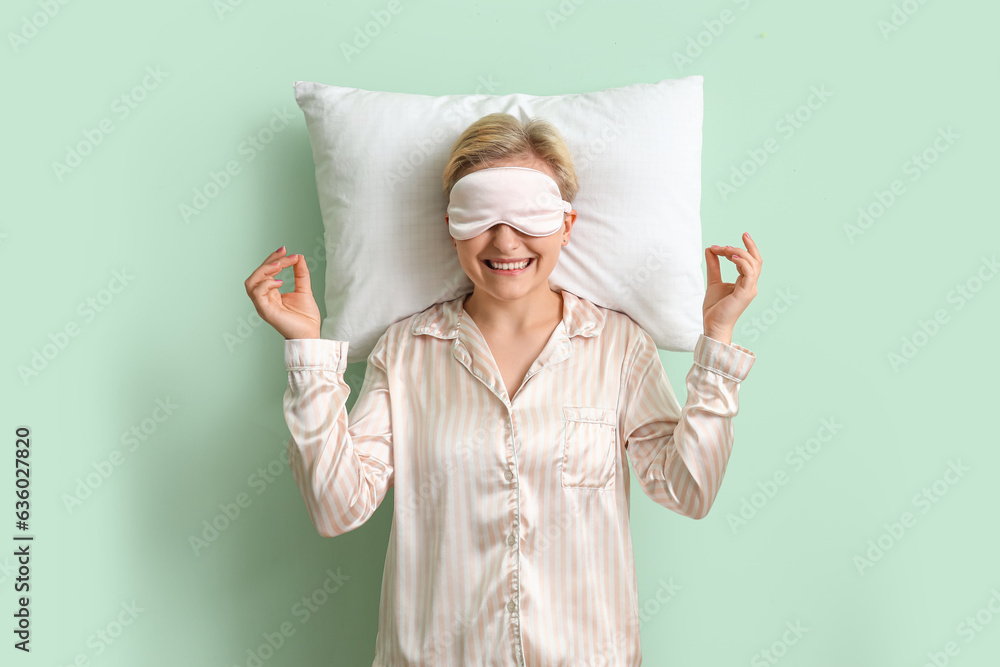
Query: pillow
{"points": [[636, 244]]}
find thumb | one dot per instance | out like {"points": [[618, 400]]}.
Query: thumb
{"points": [[711, 261], [301, 272]]}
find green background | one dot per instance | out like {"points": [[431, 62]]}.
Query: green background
{"points": [[830, 311]]}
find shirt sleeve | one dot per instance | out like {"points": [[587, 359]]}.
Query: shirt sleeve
{"points": [[680, 454], [342, 463]]}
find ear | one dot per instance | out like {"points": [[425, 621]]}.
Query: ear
{"points": [[570, 219]]}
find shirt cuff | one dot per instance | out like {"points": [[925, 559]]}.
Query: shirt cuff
{"points": [[729, 360], [316, 353]]}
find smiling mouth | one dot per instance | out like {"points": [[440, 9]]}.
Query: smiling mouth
{"points": [[530, 261]]}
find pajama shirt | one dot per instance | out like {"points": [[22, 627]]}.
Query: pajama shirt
{"points": [[510, 541]]}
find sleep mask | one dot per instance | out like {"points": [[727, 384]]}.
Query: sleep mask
{"points": [[526, 199]]}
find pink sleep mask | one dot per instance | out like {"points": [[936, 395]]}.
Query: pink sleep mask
{"points": [[526, 199]]}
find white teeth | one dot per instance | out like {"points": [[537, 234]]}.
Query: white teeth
{"points": [[508, 267]]}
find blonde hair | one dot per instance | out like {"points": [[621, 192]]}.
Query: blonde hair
{"points": [[501, 136]]}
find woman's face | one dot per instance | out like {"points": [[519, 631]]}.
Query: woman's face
{"points": [[503, 242]]}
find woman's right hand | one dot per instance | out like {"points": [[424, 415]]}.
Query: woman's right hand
{"points": [[293, 314]]}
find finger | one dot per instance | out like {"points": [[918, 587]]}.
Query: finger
{"points": [[714, 270], [751, 246], [748, 273], [263, 279], [724, 250], [740, 262], [260, 289], [275, 256], [729, 251], [263, 273], [745, 265], [302, 282], [254, 277], [279, 265], [254, 280]]}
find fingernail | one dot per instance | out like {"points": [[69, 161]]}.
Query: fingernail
{"points": [[278, 281], [747, 234], [280, 249], [735, 256]]}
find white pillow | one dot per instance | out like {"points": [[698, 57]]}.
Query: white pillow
{"points": [[636, 245]]}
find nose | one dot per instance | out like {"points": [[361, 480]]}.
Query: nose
{"points": [[506, 236], [503, 229]]}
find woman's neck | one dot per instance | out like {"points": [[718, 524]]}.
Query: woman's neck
{"points": [[512, 317]]}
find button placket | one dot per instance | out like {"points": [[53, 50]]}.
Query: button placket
{"points": [[512, 603]]}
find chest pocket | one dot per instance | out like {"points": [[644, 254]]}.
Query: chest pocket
{"points": [[589, 452]]}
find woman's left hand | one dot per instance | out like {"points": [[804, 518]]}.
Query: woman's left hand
{"points": [[725, 302]]}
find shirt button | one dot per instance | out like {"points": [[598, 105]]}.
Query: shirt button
{"points": [[511, 539], [511, 606], [507, 475]]}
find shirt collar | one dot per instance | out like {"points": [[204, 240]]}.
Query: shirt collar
{"points": [[580, 317]]}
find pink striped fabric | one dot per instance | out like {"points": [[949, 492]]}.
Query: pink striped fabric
{"points": [[510, 540]]}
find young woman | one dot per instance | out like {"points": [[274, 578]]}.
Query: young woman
{"points": [[502, 420]]}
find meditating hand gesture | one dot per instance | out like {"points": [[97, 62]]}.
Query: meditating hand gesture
{"points": [[293, 314], [725, 302]]}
